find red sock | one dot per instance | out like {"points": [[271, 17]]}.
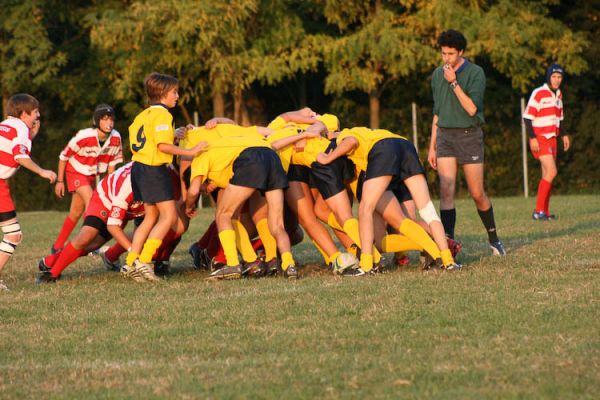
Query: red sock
{"points": [[543, 195], [67, 256], [49, 260], [208, 235], [214, 245], [547, 202], [64, 233], [114, 252], [220, 256], [166, 243], [169, 249]]}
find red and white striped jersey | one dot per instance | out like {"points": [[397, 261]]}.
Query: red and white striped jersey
{"points": [[545, 110], [116, 194], [85, 156], [15, 143]]}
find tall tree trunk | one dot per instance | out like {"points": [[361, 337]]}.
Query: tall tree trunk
{"points": [[218, 104], [186, 114], [238, 99], [374, 109]]}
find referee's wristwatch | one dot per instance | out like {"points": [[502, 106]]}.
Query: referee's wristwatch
{"points": [[454, 84]]}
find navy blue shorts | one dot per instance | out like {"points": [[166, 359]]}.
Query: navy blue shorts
{"points": [[151, 183], [259, 168], [393, 157]]}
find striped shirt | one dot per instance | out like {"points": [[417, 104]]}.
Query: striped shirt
{"points": [[85, 156], [545, 110], [15, 143], [116, 194]]}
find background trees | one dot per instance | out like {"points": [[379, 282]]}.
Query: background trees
{"points": [[252, 59]]}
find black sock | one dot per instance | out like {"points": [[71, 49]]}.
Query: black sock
{"points": [[449, 221], [487, 217]]}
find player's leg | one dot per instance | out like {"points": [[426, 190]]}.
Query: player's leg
{"points": [[11, 238], [549, 172], [474, 177], [80, 198], [324, 214], [447, 169], [275, 201]]}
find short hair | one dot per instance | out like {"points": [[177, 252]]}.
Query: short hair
{"points": [[158, 85], [19, 103], [452, 38]]}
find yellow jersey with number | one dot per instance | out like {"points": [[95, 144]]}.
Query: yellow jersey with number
{"points": [[151, 127], [366, 138]]}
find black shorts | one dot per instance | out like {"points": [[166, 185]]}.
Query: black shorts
{"points": [[259, 168], [393, 157], [300, 173], [465, 144], [151, 184], [97, 223], [331, 179], [7, 216], [396, 186]]}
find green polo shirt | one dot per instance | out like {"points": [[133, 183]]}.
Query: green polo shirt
{"points": [[446, 106]]}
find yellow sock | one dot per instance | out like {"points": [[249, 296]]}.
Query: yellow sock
{"points": [[366, 262], [227, 238], [149, 249], [413, 231], [351, 229], [286, 260], [332, 222], [323, 254], [131, 257], [267, 239], [352, 250], [398, 243], [447, 258], [242, 241]]}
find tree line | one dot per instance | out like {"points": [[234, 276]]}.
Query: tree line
{"points": [[365, 61]]}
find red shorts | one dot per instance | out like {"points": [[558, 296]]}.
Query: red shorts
{"points": [[547, 147], [96, 208], [76, 180], [7, 207]]}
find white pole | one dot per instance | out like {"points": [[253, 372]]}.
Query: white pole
{"points": [[414, 125], [524, 151]]}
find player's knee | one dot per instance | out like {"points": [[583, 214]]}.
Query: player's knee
{"points": [[429, 214], [11, 238]]}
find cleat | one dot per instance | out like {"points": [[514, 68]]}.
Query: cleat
{"points": [[195, 252], [54, 251], [216, 265], [45, 277], [452, 267], [132, 273], [379, 268], [291, 272], [162, 268], [498, 249], [3, 286], [113, 266], [455, 247], [256, 268], [355, 272], [551, 217], [432, 265], [273, 266], [42, 265], [539, 216], [146, 270], [226, 273]]}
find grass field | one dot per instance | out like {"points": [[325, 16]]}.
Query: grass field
{"points": [[523, 326]]}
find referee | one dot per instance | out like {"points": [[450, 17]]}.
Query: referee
{"points": [[456, 136]]}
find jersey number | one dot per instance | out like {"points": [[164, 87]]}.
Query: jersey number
{"points": [[141, 139]]}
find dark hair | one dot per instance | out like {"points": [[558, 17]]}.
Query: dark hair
{"points": [[19, 103], [101, 111], [158, 85], [452, 38]]}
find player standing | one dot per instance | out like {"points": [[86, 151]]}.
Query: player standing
{"points": [[542, 119], [16, 135], [90, 152], [456, 135]]}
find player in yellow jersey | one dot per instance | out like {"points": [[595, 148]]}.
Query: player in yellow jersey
{"points": [[151, 137], [240, 166], [385, 156]]}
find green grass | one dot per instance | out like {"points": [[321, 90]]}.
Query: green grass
{"points": [[524, 326]]}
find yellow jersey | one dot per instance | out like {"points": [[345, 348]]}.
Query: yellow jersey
{"points": [[216, 162], [366, 138], [285, 153], [330, 121], [151, 127], [197, 135], [311, 150]]}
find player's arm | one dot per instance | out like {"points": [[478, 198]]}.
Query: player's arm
{"points": [[431, 156], [119, 235], [178, 151], [59, 188], [185, 163], [467, 103], [213, 122], [347, 145], [193, 193], [36, 169], [266, 132], [302, 116]]}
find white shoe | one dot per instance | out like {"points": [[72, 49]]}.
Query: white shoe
{"points": [[147, 271], [132, 273], [109, 265]]}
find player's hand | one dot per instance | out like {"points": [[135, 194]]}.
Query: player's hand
{"points": [[534, 145], [48, 174], [432, 159], [211, 123], [191, 211], [59, 190], [566, 142], [449, 73], [182, 130], [307, 112], [199, 148], [323, 158]]}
